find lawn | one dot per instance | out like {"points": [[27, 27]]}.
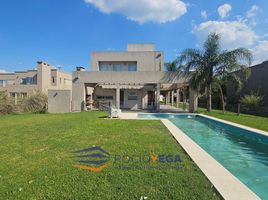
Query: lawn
{"points": [[248, 120], [37, 159]]}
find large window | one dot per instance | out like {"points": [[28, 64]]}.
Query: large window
{"points": [[27, 81], [118, 66]]}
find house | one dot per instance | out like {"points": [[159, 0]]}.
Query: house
{"points": [[21, 83], [131, 79]]}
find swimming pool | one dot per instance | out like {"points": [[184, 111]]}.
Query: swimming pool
{"points": [[244, 153]]}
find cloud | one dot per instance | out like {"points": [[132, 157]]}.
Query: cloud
{"points": [[141, 11], [253, 11], [3, 71], [224, 10], [260, 52], [234, 34], [204, 14]]}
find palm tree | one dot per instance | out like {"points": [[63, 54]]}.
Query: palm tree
{"points": [[203, 67], [171, 66]]}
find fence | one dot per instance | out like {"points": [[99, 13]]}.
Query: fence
{"points": [[259, 111]]}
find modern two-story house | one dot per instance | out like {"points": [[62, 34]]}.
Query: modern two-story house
{"points": [[43, 78], [129, 79]]}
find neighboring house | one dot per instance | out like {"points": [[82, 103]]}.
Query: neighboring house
{"points": [[256, 83], [44, 78], [128, 80]]}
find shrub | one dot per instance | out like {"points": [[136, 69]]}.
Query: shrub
{"points": [[7, 105], [35, 103], [251, 101]]}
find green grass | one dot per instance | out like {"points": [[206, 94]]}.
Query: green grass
{"points": [[37, 159], [248, 120]]}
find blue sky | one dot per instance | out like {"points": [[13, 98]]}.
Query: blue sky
{"points": [[64, 33]]}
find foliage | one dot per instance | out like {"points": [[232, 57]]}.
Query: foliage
{"points": [[171, 66], [6, 104], [204, 67], [251, 101], [35, 103]]}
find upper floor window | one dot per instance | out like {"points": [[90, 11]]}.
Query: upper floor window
{"points": [[27, 81], [132, 67], [104, 67], [3, 83], [118, 66]]}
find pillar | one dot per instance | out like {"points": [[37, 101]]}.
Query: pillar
{"points": [[193, 100], [178, 97], [172, 97], [184, 95], [168, 97], [157, 98], [117, 97], [78, 96], [144, 99], [16, 98]]}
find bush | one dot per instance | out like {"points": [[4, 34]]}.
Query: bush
{"points": [[7, 105], [251, 101], [35, 103]]}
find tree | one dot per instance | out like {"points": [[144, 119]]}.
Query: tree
{"points": [[211, 64], [171, 66], [220, 82]]}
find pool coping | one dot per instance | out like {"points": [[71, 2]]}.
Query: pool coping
{"points": [[135, 116], [229, 186], [224, 181]]}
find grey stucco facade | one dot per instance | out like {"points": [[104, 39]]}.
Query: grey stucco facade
{"points": [[59, 101], [128, 80]]}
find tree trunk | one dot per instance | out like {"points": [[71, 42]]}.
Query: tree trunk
{"points": [[222, 100], [209, 98]]}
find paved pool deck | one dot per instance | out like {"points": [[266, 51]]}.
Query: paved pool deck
{"points": [[229, 187]]}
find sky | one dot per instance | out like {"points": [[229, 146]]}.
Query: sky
{"points": [[64, 32]]}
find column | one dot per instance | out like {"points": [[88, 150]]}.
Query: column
{"points": [[184, 95], [16, 98], [178, 97], [157, 98], [168, 97], [193, 100], [172, 97], [117, 97], [78, 96], [144, 99]]}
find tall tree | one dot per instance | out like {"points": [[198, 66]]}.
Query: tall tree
{"points": [[210, 64]]}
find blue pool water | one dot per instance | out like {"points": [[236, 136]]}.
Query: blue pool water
{"points": [[243, 153]]}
